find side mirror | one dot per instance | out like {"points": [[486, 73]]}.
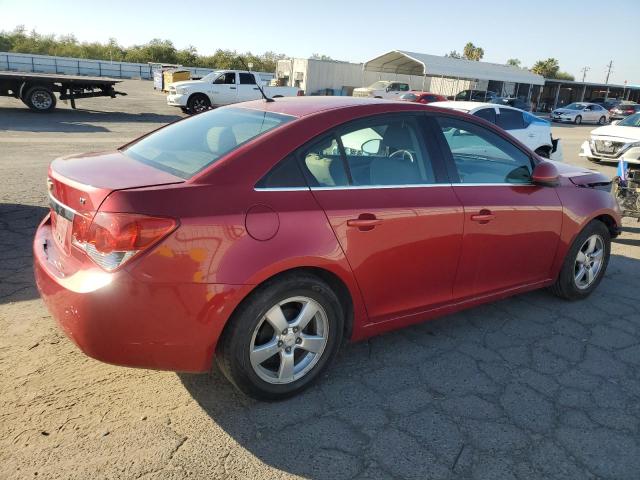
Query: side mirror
{"points": [[371, 146], [545, 174]]}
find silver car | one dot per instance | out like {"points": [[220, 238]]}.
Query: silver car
{"points": [[579, 112]]}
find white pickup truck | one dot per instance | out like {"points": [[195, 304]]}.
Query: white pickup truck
{"points": [[222, 87], [382, 89]]}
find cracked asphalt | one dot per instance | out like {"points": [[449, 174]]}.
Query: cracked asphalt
{"points": [[527, 388]]}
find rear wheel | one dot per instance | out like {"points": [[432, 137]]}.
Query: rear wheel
{"points": [[602, 120], [282, 337], [578, 120], [40, 99], [198, 103], [585, 263]]}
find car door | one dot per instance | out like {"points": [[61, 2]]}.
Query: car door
{"points": [[393, 91], [513, 121], [247, 88], [224, 90], [392, 209], [511, 226]]}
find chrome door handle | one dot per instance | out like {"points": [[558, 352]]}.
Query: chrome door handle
{"points": [[364, 222]]}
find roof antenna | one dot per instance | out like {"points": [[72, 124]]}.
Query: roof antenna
{"points": [[266, 99]]}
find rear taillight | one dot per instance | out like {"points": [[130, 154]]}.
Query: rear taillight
{"points": [[111, 239], [300, 93]]}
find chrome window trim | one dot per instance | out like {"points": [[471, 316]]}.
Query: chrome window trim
{"points": [[495, 184], [376, 187], [280, 189]]}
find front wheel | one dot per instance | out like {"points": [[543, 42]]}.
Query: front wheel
{"points": [[282, 337], [578, 120], [198, 103], [585, 263]]}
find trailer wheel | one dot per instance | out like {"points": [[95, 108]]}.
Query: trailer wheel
{"points": [[40, 99]]}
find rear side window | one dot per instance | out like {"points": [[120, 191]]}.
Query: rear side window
{"points": [[324, 164], [489, 114], [286, 174], [247, 79], [186, 147], [510, 119]]}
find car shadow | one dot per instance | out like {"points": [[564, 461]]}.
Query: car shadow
{"points": [[73, 121], [18, 224], [423, 401]]}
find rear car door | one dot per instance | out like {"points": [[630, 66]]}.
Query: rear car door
{"points": [[511, 226], [225, 91], [513, 121], [247, 88], [396, 217]]}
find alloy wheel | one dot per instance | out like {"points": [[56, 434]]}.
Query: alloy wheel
{"points": [[289, 340], [589, 262]]}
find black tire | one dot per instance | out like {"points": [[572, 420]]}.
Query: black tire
{"points": [[40, 99], [544, 152], [578, 120], [185, 110], [593, 159], [602, 120], [233, 355], [565, 285], [198, 103]]}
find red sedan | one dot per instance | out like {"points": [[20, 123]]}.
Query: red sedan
{"points": [[261, 234], [422, 97]]}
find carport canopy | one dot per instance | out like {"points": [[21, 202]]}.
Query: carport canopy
{"points": [[421, 64]]}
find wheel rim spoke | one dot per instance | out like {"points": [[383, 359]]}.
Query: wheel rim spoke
{"points": [[312, 343], [276, 318], [264, 352], [287, 367], [308, 311], [590, 275], [592, 244], [580, 275]]}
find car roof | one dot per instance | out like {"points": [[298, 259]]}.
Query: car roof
{"points": [[464, 106], [303, 106]]}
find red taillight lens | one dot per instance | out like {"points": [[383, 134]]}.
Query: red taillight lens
{"points": [[125, 232], [111, 239]]}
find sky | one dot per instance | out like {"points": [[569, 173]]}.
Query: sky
{"points": [[578, 33]]}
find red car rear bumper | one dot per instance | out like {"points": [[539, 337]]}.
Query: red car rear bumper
{"points": [[119, 319]]}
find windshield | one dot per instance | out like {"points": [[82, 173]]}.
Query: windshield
{"points": [[186, 147], [631, 121], [575, 106], [381, 85], [210, 77]]}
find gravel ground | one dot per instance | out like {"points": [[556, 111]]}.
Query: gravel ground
{"points": [[527, 388]]}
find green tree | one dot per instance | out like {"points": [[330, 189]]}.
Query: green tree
{"points": [[317, 56], [453, 54], [514, 62], [547, 68], [471, 52]]}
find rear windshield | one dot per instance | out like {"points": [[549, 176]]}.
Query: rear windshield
{"points": [[186, 147]]}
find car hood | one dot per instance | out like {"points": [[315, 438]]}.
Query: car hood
{"points": [[579, 175], [630, 133], [187, 83]]}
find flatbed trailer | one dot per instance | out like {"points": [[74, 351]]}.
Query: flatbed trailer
{"points": [[36, 90]]}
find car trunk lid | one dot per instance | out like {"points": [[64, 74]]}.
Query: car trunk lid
{"points": [[79, 184]]}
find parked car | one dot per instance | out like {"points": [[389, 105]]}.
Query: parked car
{"points": [[382, 89], [534, 132], [475, 96], [514, 102], [250, 234], [607, 103], [614, 142], [222, 87], [623, 110], [579, 112], [422, 97]]}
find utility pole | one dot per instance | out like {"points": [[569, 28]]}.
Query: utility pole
{"points": [[609, 67], [584, 71]]}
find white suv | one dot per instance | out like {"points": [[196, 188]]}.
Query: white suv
{"points": [[534, 132]]}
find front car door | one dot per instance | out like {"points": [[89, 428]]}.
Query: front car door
{"points": [[395, 215], [511, 226], [224, 91]]}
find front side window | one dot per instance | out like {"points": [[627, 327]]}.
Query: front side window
{"points": [[228, 78], [510, 119], [324, 164], [489, 114], [481, 156], [188, 146], [404, 87]]}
